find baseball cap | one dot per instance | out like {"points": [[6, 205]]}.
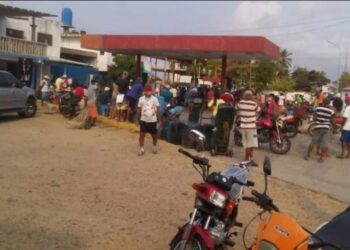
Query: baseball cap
{"points": [[148, 88]]}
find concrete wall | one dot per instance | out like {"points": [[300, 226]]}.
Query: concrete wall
{"points": [[102, 61], [47, 26]]}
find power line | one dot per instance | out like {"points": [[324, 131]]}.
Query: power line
{"points": [[283, 26], [308, 30]]}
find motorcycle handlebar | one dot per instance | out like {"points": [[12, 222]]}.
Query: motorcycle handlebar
{"points": [[196, 159], [186, 153], [250, 183], [246, 198]]}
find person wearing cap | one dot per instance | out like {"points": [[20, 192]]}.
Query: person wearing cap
{"points": [[148, 113], [345, 134], [247, 110], [44, 88], [324, 117], [90, 101]]}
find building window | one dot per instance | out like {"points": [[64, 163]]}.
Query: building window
{"points": [[45, 38], [15, 33]]}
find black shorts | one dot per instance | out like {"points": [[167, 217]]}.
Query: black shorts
{"points": [[132, 103], [148, 127]]}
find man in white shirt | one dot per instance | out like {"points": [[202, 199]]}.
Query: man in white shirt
{"points": [[345, 135], [148, 112]]}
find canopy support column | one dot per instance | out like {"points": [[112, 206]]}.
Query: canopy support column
{"points": [[138, 65], [223, 72]]}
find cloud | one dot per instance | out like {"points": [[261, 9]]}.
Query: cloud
{"points": [[256, 14]]}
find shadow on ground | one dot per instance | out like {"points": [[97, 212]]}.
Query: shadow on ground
{"points": [[24, 236]]}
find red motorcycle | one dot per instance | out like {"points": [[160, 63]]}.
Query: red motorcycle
{"points": [[215, 208], [269, 131]]}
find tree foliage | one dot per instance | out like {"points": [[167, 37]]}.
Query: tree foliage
{"points": [[213, 67], [284, 63], [309, 80], [282, 84], [122, 63], [265, 71], [344, 80]]}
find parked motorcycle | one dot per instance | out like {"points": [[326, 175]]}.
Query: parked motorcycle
{"points": [[68, 103], [215, 207], [290, 125], [277, 231], [268, 131]]}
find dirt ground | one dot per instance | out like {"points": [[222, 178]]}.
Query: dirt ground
{"points": [[87, 189]]}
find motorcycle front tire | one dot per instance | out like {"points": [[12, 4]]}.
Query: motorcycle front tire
{"points": [[291, 130], [280, 148], [196, 244]]}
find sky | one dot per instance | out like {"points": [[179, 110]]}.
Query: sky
{"points": [[315, 32]]}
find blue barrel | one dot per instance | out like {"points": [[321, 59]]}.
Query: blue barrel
{"points": [[67, 17]]}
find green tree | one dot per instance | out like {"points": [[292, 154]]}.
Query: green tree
{"points": [[301, 77], [284, 63], [122, 63], [239, 70], [282, 84], [318, 78], [195, 68], [344, 80], [265, 71], [213, 66]]}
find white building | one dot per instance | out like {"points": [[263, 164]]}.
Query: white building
{"points": [[30, 41]]}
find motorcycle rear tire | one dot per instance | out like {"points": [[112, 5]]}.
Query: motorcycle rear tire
{"points": [[280, 148], [196, 244]]}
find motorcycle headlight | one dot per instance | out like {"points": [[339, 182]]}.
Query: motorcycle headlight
{"points": [[264, 245], [217, 199]]}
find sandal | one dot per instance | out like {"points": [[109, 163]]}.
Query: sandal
{"points": [[306, 158]]}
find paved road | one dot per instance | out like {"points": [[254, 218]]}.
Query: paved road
{"points": [[331, 177]]}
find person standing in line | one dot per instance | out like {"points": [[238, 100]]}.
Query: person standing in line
{"points": [[148, 113], [90, 102], [44, 88], [133, 96], [247, 110], [324, 117], [122, 88], [345, 134]]}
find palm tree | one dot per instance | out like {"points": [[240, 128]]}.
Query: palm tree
{"points": [[284, 62], [214, 66], [194, 69]]}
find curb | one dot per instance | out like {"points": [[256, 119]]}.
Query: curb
{"points": [[123, 125]]}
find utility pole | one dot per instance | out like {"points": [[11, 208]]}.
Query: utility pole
{"points": [[346, 60]]}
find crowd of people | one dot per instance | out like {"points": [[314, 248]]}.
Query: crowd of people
{"points": [[138, 102]]}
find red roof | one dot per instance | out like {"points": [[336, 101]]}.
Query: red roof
{"points": [[184, 46]]}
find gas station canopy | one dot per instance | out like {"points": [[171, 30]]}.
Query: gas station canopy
{"points": [[184, 47]]}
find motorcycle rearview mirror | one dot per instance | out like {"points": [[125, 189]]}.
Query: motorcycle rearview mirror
{"points": [[267, 170], [267, 166]]}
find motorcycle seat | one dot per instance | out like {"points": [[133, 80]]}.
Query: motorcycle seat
{"points": [[336, 231]]}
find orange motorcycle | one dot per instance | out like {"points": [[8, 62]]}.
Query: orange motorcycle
{"points": [[277, 231]]}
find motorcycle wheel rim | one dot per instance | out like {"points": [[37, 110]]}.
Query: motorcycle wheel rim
{"points": [[194, 245]]}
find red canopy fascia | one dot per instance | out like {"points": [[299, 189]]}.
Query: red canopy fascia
{"points": [[184, 46]]}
